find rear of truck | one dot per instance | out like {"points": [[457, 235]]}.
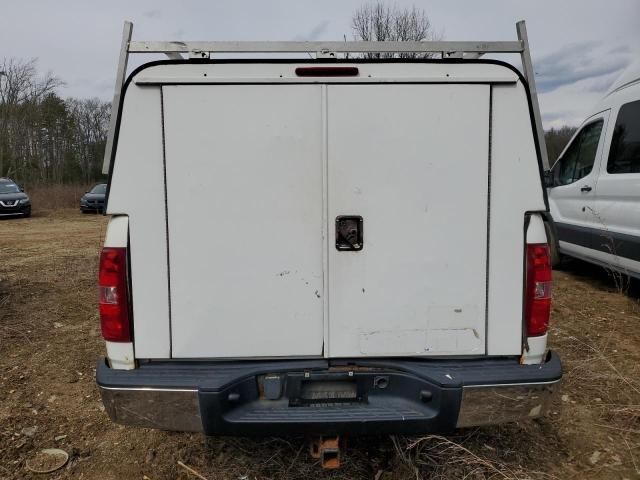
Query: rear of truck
{"points": [[325, 247]]}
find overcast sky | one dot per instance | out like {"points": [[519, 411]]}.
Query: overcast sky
{"points": [[579, 46]]}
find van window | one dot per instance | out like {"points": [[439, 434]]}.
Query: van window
{"points": [[578, 159], [624, 155]]}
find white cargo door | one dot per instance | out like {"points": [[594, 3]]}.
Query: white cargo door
{"points": [[244, 209], [412, 161]]}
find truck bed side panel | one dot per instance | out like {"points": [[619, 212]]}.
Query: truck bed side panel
{"points": [[515, 189], [137, 190]]}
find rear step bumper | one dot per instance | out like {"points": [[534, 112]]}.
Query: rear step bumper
{"points": [[327, 397]]}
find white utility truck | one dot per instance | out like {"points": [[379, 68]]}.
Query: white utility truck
{"points": [[327, 245]]}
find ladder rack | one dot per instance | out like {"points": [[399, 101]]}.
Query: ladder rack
{"points": [[198, 49]]}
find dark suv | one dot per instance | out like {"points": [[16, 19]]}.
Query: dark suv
{"points": [[13, 200], [93, 200]]}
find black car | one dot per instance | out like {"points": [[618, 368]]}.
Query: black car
{"points": [[13, 200], [93, 200]]}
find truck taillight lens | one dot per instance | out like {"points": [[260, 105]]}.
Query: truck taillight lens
{"points": [[538, 289], [114, 295]]}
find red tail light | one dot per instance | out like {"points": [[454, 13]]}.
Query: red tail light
{"points": [[114, 295], [538, 289]]}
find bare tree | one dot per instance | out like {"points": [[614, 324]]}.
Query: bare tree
{"points": [[20, 89], [382, 23], [20, 82], [44, 138], [91, 122]]}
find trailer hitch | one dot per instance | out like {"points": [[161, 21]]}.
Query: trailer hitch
{"points": [[328, 450]]}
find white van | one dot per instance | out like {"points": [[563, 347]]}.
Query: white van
{"points": [[594, 186], [325, 246]]}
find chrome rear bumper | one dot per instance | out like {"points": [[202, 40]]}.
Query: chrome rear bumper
{"points": [[494, 404], [163, 409], [420, 398]]}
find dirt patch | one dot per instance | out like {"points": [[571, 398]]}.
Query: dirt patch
{"points": [[50, 340]]}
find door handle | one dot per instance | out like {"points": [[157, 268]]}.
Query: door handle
{"points": [[586, 188], [349, 233]]}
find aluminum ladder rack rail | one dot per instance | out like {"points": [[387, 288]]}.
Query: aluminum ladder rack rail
{"points": [[200, 49]]}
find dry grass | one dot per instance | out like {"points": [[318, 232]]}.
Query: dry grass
{"points": [[51, 197], [49, 341], [439, 457]]}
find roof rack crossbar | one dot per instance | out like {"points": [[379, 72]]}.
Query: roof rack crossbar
{"points": [[198, 49], [337, 47]]}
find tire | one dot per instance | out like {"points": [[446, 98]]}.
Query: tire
{"points": [[634, 287], [27, 214], [556, 258]]}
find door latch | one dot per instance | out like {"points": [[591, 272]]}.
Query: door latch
{"points": [[349, 235]]}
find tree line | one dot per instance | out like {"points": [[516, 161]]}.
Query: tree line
{"points": [[43, 137], [556, 139], [49, 140]]}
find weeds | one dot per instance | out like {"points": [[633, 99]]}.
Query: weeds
{"points": [[438, 457]]}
